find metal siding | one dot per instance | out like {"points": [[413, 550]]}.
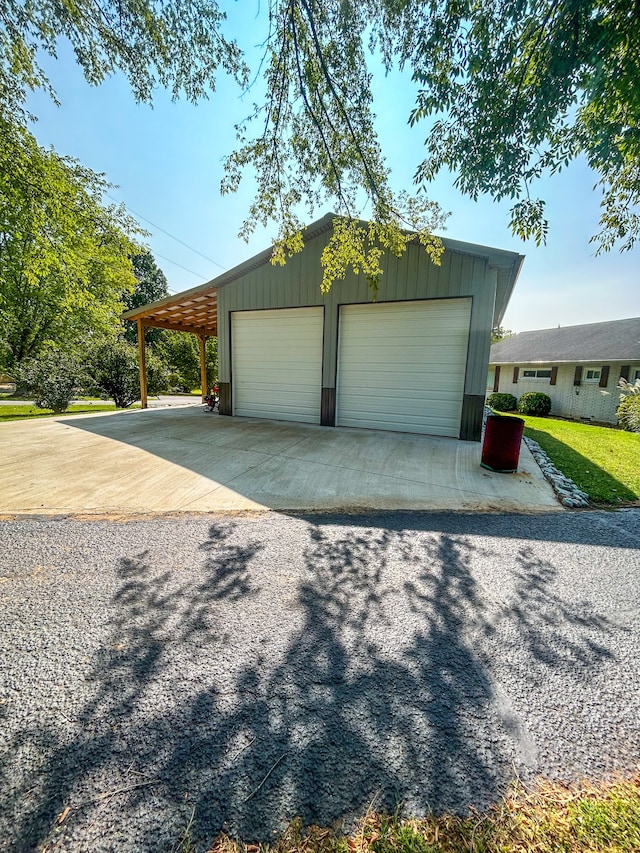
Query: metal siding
{"points": [[277, 357], [476, 274], [414, 285], [401, 365], [414, 275], [471, 418], [330, 353], [328, 407]]}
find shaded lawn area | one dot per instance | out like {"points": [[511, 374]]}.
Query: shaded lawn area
{"points": [[17, 412], [603, 462]]}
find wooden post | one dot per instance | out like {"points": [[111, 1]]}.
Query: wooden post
{"points": [[142, 360], [203, 365]]}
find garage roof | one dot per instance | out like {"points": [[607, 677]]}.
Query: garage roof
{"points": [[196, 310]]}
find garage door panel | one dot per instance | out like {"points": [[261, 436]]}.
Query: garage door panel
{"points": [[389, 380], [401, 366], [277, 364]]}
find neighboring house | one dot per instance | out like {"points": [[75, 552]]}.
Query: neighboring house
{"points": [[413, 360], [577, 366]]}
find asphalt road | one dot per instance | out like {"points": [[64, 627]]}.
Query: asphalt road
{"points": [[239, 671]]}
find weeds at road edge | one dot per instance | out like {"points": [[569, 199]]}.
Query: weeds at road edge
{"points": [[552, 818]]}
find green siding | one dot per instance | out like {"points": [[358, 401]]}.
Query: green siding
{"points": [[413, 276]]}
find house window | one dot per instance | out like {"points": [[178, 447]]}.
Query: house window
{"points": [[591, 374], [637, 375], [536, 374]]}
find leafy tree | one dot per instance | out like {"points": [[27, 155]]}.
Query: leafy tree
{"points": [[513, 91], [64, 258], [174, 44], [53, 379], [151, 284], [524, 89], [113, 367], [500, 334], [181, 353], [516, 90]]}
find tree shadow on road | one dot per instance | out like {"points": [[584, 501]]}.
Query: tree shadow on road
{"points": [[245, 691]]}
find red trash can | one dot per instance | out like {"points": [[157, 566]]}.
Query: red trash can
{"points": [[501, 445]]}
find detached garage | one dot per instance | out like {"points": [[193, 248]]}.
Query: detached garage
{"points": [[414, 360]]}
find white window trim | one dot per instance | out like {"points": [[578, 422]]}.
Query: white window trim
{"points": [[598, 370], [526, 370]]}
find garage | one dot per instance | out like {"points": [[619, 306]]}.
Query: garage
{"points": [[411, 357], [401, 365], [277, 363]]}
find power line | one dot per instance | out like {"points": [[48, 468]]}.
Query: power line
{"points": [[186, 269], [177, 239]]}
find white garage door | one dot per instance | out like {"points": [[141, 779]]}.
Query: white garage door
{"points": [[401, 365], [277, 364]]}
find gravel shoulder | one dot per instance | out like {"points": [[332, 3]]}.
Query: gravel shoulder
{"points": [[245, 670]]}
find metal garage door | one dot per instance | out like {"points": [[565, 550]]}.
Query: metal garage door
{"points": [[277, 364], [401, 365]]}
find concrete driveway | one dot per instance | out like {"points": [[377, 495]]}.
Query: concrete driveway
{"points": [[185, 460]]}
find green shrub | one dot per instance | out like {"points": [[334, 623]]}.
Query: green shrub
{"points": [[53, 378], [114, 370], [534, 403], [628, 413], [502, 402]]}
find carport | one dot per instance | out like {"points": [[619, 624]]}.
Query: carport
{"points": [[194, 311]]}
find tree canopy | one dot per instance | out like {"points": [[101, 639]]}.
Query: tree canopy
{"points": [[151, 284], [508, 92], [512, 90], [64, 257], [170, 43]]}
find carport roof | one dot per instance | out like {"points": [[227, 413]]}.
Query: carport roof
{"points": [[196, 310]]}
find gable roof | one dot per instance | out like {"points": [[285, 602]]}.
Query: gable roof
{"points": [[616, 340], [196, 310]]}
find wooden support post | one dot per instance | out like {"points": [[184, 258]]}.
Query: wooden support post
{"points": [[142, 360], [203, 365]]}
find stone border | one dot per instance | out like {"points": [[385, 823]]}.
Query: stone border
{"points": [[568, 493]]}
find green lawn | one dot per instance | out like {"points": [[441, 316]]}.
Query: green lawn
{"points": [[18, 413], [603, 462]]}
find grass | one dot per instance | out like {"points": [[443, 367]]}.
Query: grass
{"points": [[603, 462], [553, 818], [24, 412]]}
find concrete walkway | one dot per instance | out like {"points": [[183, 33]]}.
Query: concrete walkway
{"points": [[184, 460]]}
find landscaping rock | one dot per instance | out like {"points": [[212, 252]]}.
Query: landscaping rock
{"points": [[568, 492]]}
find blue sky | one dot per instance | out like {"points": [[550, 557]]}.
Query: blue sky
{"points": [[167, 164]]}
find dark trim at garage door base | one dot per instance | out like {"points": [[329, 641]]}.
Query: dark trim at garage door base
{"points": [[224, 406], [328, 407], [471, 420]]}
